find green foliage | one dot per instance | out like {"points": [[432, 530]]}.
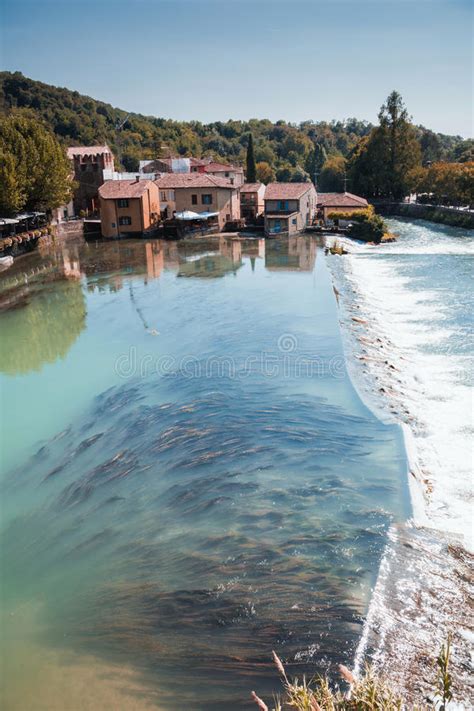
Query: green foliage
{"points": [[265, 173], [331, 178], [294, 152], [34, 172], [80, 120], [447, 183], [367, 226], [464, 151], [251, 172], [315, 161], [383, 163]]}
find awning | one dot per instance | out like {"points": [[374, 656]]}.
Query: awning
{"points": [[190, 215]]}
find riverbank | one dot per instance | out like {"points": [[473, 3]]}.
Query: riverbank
{"points": [[431, 213], [405, 344]]}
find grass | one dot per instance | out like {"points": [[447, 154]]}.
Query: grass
{"points": [[369, 692]]}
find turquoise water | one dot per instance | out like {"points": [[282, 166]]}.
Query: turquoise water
{"points": [[190, 479]]}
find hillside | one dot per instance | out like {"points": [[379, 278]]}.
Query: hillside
{"points": [[287, 148]]}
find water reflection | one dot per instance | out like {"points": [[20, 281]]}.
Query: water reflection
{"points": [[296, 253], [42, 313], [180, 527]]}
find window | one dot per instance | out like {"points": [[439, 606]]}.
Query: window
{"points": [[194, 199], [227, 175], [163, 194], [294, 221], [125, 220], [122, 202], [283, 204], [83, 167], [171, 195], [206, 199]]}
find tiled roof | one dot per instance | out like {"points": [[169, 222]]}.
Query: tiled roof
{"points": [[192, 180], [114, 189], [341, 200], [87, 151], [250, 187], [222, 168], [196, 162], [286, 191]]}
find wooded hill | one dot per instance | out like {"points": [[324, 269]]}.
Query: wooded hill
{"points": [[286, 150]]}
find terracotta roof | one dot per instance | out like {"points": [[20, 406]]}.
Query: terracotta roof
{"points": [[286, 191], [192, 180], [341, 200], [222, 168], [87, 151], [114, 189], [196, 162], [250, 187]]}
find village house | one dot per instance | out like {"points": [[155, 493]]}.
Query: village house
{"points": [[328, 203], [88, 163], [129, 208], [252, 201], [289, 208], [234, 174], [199, 193]]}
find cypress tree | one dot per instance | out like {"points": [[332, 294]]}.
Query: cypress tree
{"points": [[251, 176]]}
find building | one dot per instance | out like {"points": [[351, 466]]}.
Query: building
{"points": [[88, 164], [289, 208], [339, 203], [222, 170], [252, 201], [199, 193], [129, 208], [194, 165]]}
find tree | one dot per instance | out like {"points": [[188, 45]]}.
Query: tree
{"points": [[35, 173], [316, 160], [449, 183], [430, 145], [382, 164], [331, 178], [12, 194], [251, 174], [265, 173]]}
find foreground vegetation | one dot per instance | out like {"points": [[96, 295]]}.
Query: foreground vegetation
{"points": [[369, 692], [34, 169]]}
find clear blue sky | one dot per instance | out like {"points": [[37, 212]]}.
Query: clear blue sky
{"points": [[280, 59]]}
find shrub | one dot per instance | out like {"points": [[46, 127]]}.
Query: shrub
{"points": [[370, 692]]}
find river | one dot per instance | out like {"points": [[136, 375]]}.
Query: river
{"points": [[190, 478]]}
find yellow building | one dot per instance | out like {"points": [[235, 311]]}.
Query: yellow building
{"points": [[129, 208]]}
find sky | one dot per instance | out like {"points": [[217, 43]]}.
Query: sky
{"points": [[212, 60]]}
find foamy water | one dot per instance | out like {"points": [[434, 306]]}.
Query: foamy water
{"points": [[416, 297], [406, 309]]}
